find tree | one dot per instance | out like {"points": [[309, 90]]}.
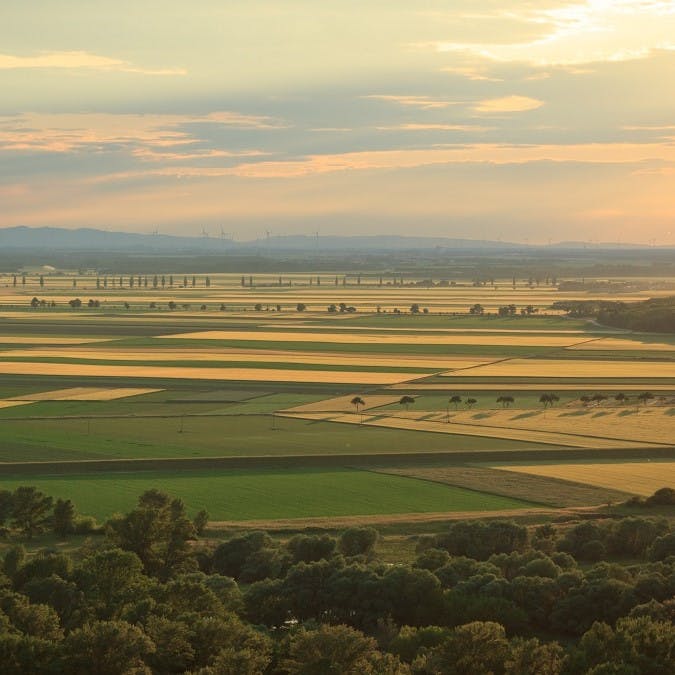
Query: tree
{"points": [[301, 307], [358, 403], [157, 531], [63, 520], [31, 510], [470, 402], [506, 401], [621, 398], [111, 579], [644, 397], [477, 309], [358, 541], [406, 401], [455, 400], [548, 399], [106, 648], [75, 303], [334, 650], [414, 308]]}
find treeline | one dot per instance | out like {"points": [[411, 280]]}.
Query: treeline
{"points": [[656, 315], [481, 597]]}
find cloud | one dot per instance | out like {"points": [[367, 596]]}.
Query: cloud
{"points": [[508, 104], [80, 60], [143, 134], [433, 127], [477, 153], [424, 102], [576, 33]]}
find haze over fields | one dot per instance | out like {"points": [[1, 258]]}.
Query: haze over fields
{"points": [[521, 121]]}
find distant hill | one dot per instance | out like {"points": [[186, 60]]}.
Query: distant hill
{"points": [[90, 239], [95, 240]]}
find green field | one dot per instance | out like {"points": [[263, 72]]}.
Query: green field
{"points": [[224, 436], [268, 495]]}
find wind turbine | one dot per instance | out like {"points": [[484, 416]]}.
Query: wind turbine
{"points": [[205, 234]]}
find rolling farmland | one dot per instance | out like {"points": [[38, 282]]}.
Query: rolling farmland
{"points": [[238, 372]]}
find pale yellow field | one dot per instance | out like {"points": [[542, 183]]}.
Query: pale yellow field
{"points": [[408, 423], [528, 386], [343, 404], [85, 394], [41, 340], [642, 478], [257, 355], [183, 373], [550, 368], [374, 338], [620, 344], [11, 404], [648, 425]]}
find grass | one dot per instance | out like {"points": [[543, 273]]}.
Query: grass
{"points": [[225, 436], [252, 495]]}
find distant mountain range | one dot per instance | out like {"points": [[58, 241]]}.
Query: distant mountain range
{"points": [[90, 239]]}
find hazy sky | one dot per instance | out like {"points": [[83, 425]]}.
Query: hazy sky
{"points": [[512, 119]]}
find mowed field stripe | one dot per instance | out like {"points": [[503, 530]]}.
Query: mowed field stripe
{"points": [[523, 340], [183, 373], [642, 478]]}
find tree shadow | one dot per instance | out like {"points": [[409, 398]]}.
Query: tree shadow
{"points": [[529, 413]]}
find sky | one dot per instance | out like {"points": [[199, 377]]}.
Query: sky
{"points": [[518, 120]]}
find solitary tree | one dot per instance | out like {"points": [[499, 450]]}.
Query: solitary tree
{"points": [[358, 403], [470, 402], [406, 401], [621, 398]]}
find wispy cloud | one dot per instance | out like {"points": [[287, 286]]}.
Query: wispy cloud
{"points": [[80, 60], [423, 102], [413, 126], [507, 104], [142, 134]]}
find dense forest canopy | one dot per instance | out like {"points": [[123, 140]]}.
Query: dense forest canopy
{"points": [[145, 595], [656, 315]]}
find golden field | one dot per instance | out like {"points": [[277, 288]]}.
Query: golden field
{"points": [[183, 373], [642, 478], [374, 338]]}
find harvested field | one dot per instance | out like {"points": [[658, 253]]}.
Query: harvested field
{"points": [[528, 386], [343, 404], [534, 436], [12, 404], [42, 340], [183, 373], [85, 394], [641, 478], [609, 344], [552, 368], [540, 489], [654, 425], [373, 338], [258, 355]]}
